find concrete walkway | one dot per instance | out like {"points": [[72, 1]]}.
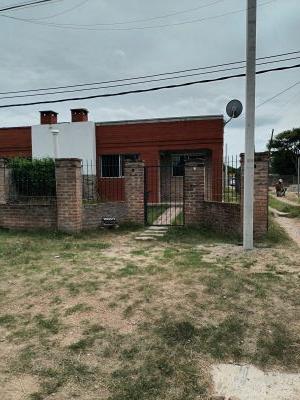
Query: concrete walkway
{"points": [[153, 233], [160, 226], [246, 382], [168, 216]]}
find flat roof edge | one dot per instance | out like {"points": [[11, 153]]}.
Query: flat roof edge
{"points": [[154, 120], [15, 127]]}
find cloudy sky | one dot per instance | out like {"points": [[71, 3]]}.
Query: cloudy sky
{"points": [[99, 44]]}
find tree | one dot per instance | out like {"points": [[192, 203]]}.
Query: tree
{"points": [[285, 150]]}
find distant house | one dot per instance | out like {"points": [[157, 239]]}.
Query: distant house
{"points": [[104, 146]]}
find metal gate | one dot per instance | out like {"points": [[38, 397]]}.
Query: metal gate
{"points": [[164, 196]]}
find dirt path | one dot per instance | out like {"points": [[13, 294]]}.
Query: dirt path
{"points": [[290, 225]]}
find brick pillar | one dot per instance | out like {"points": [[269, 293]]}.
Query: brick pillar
{"points": [[2, 182], [134, 191], [68, 194], [193, 192], [261, 197]]}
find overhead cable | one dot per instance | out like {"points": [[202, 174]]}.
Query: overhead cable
{"points": [[29, 4], [77, 27], [151, 75], [141, 82], [153, 89]]}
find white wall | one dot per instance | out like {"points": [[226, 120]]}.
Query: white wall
{"points": [[75, 140]]}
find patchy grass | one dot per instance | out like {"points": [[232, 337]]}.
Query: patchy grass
{"points": [[101, 316], [275, 235], [197, 234], [277, 344], [293, 211]]}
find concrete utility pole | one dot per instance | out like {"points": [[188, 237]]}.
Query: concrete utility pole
{"points": [[298, 175], [250, 126]]}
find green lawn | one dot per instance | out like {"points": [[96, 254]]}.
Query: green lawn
{"points": [[102, 316]]}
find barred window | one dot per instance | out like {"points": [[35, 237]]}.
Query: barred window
{"points": [[112, 165]]}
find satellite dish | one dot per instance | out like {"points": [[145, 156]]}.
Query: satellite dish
{"points": [[234, 109]]}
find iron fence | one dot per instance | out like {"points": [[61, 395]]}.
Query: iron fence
{"points": [[223, 180], [288, 180], [163, 195], [99, 188], [29, 181]]}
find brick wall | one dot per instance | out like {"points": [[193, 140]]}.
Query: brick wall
{"points": [[93, 213], [227, 217], [69, 194], [261, 172], [224, 217], [15, 216], [2, 182], [194, 192], [134, 191]]}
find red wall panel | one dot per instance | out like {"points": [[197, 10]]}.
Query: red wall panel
{"points": [[15, 142]]}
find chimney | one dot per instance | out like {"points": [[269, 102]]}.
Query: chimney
{"points": [[79, 114], [48, 117]]}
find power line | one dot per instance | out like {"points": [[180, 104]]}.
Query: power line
{"points": [[278, 94], [33, 3], [142, 82], [152, 75], [140, 20], [158, 88], [68, 10], [77, 27]]}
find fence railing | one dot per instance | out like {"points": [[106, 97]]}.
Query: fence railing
{"points": [[99, 188], [223, 181], [288, 180], [30, 185]]}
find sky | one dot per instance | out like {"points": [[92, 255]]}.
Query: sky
{"points": [[37, 54]]}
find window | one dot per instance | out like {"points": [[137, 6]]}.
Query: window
{"points": [[112, 166], [178, 165], [178, 161]]}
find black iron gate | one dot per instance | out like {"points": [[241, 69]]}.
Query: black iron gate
{"points": [[164, 196]]}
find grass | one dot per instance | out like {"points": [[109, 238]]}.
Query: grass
{"points": [[275, 235], [99, 315], [198, 234], [293, 211]]}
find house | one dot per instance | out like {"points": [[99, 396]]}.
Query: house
{"points": [[104, 146]]}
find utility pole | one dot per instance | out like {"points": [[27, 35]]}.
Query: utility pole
{"points": [[298, 175], [250, 126]]}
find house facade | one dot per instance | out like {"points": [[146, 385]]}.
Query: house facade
{"points": [[104, 146]]}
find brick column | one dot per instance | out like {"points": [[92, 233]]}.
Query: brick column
{"points": [[134, 191], [3, 182], [261, 172], [68, 194], [193, 192]]}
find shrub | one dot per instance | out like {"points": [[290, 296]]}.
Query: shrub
{"points": [[33, 177]]}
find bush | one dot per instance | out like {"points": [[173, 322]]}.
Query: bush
{"points": [[33, 177]]}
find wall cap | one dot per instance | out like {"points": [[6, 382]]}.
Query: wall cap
{"points": [[259, 156]]}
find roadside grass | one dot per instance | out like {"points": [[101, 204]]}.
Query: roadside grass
{"points": [[102, 316], [276, 235], [198, 234], [293, 211]]}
